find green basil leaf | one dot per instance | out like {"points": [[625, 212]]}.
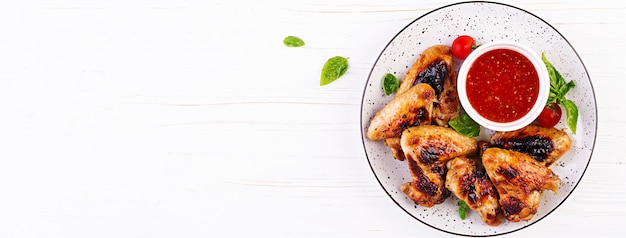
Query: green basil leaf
{"points": [[558, 85], [390, 84], [560, 101], [293, 41], [462, 209], [334, 68], [565, 89], [465, 125], [558, 89], [554, 84], [572, 114], [551, 97], [559, 78]]}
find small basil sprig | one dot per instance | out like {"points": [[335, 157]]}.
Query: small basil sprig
{"points": [[390, 84], [462, 209], [293, 41], [465, 125], [558, 88], [334, 68]]}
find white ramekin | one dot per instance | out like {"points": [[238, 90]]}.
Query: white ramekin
{"points": [[544, 86]]}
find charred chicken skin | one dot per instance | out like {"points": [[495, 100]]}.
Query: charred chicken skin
{"points": [[545, 145], [427, 149], [519, 180], [471, 184], [427, 186]]}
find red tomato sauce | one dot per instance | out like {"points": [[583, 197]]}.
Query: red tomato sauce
{"points": [[502, 85]]}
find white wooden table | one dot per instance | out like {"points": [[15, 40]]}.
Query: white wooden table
{"points": [[191, 119]]}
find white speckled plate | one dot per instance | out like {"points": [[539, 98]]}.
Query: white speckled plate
{"points": [[485, 21]]}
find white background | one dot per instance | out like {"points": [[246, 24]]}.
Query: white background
{"points": [[192, 119]]}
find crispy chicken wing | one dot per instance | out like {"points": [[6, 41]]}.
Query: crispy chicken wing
{"points": [[436, 68], [472, 185], [413, 107], [519, 180], [545, 145], [427, 144], [427, 149]]}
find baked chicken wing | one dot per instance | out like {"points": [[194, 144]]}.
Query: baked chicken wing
{"points": [[427, 149], [471, 184], [545, 145], [435, 67], [413, 107], [519, 179], [427, 144]]}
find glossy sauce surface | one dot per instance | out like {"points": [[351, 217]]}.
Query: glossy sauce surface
{"points": [[502, 85]]}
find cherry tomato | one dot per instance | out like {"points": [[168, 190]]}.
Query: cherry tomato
{"points": [[550, 115], [462, 46]]}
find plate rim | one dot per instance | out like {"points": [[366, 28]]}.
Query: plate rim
{"points": [[593, 144]]}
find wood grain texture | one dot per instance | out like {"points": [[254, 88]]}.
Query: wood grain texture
{"points": [[191, 119]]}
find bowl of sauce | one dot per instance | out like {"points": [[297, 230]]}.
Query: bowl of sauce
{"points": [[503, 85]]}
